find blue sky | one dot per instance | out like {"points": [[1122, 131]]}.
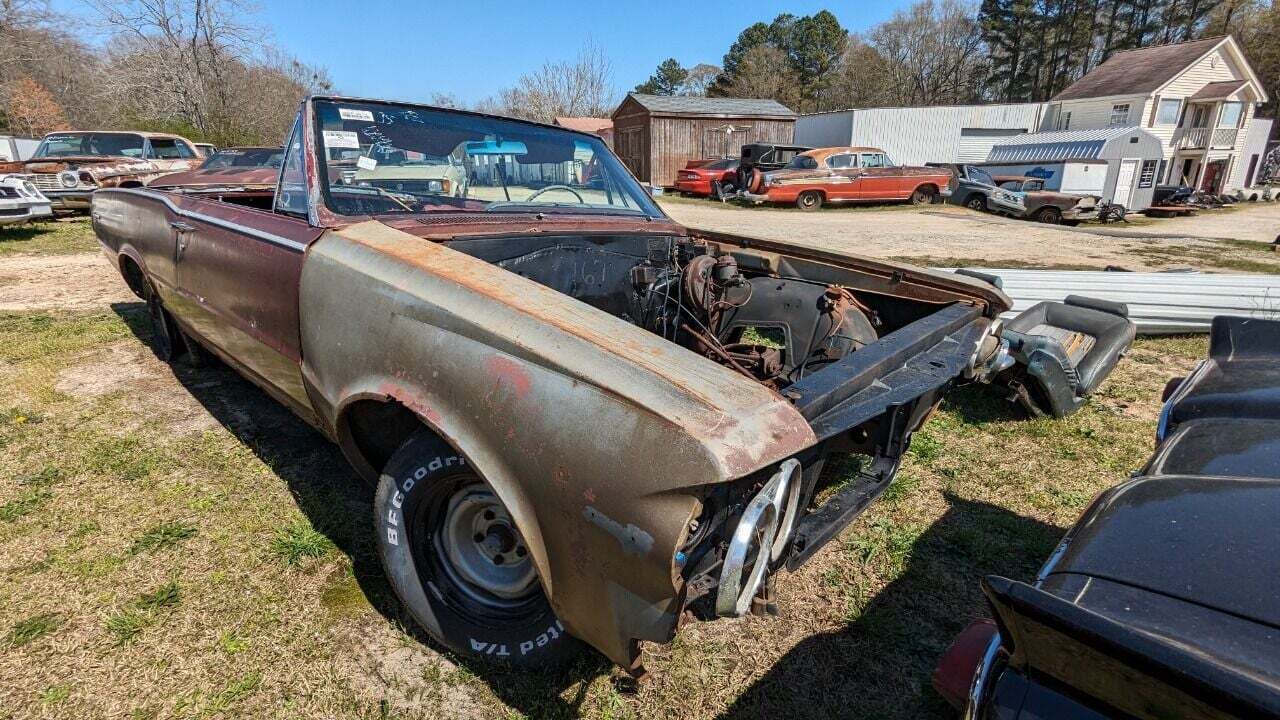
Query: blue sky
{"points": [[471, 49]]}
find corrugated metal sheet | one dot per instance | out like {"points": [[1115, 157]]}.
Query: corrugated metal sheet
{"points": [[916, 135], [1056, 146], [1159, 303]]}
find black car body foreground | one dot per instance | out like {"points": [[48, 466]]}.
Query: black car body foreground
{"points": [[1164, 600]]}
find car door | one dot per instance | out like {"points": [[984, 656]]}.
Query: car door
{"points": [[170, 154], [238, 271], [879, 181], [845, 177]]}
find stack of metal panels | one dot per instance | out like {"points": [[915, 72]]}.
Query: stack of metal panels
{"points": [[1160, 303]]}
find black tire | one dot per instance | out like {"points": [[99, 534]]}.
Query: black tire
{"points": [[809, 200], [423, 491], [1049, 215], [924, 195], [196, 355], [164, 332], [976, 201]]}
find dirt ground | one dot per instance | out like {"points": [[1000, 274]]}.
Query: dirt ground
{"points": [[947, 233], [174, 544]]}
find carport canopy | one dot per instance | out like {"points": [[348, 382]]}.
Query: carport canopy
{"points": [[1059, 146]]}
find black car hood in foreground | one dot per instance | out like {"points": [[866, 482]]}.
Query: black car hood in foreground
{"points": [[1163, 601]]}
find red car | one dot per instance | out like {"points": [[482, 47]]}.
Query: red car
{"points": [[697, 175]]}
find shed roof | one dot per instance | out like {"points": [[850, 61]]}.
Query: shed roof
{"points": [[726, 107], [1218, 90], [1143, 70], [1058, 146], [585, 124]]}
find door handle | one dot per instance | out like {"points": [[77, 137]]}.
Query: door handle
{"points": [[181, 226], [183, 231]]}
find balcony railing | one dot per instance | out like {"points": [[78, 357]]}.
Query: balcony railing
{"points": [[1208, 138]]}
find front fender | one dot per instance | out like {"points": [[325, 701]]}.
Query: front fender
{"points": [[598, 435]]}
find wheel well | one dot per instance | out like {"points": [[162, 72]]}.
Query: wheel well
{"points": [[133, 276], [930, 186], [130, 184], [375, 429], [821, 193]]}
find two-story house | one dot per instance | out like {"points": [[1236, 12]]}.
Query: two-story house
{"points": [[1197, 97]]}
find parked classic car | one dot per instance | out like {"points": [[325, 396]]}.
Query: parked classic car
{"points": [[556, 389], [1026, 197], [970, 186], [764, 157], [698, 175], [245, 157], [246, 171], [69, 166], [20, 201], [1163, 601], [845, 174]]}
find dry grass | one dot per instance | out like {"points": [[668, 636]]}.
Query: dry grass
{"points": [[48, 237], [175, 544]]}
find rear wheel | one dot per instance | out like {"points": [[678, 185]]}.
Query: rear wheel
{"points": [[1049, 215], [809, 200], [924, 195], [458, 562]]}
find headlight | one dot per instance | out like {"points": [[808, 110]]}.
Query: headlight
{"points": [[86, 178], [438, 186], [68, 179], [31, 189]]}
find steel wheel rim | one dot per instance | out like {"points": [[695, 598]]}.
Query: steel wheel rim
{"points": [[482, 551]]}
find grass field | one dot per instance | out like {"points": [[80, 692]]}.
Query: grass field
{"points": [[174, 544]]}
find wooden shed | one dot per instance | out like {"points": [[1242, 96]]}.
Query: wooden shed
{"points": [[655, 135]]}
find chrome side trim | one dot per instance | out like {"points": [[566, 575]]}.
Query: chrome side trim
{"points": [[981, 679], [211, 220]]}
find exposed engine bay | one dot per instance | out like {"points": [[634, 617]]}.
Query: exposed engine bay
{"points": [[770, 328]]}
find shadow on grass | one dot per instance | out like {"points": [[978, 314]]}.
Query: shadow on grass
{"points": [[976, 404], [879, 665], [340, 506]]}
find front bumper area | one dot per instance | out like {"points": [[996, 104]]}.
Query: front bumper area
{"points": [[13, 211], [73, 200]]}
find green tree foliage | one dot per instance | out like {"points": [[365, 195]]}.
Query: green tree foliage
{"points": [[1037, 48], [668, 79], [809, 47]]}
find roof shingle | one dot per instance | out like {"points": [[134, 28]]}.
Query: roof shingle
{"points": [[731, 107], [1133, 72]]}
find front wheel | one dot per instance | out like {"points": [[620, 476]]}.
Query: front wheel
{"points": [[1049, 215], [457, 561], [809, 200], [976, 201], [164, 332]]}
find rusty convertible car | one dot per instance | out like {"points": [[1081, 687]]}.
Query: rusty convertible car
{"points": [[69, 166], [845, 174], [585, 422]]}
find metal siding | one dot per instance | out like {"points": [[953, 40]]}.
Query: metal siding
{"points": [[1255, 143], [1159, 302]]}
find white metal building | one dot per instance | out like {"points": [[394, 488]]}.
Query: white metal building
{"points": [[916, 135], [1248, 171], [1132, 156]]}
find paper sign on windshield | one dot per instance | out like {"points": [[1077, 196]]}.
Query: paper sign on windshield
{"points": [[341, 139]]}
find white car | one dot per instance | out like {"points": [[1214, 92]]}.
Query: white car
{"points": [[21, 201]]}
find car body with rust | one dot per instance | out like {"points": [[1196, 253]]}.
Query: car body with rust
{"points": [[69, 166], [845, 174], [1163, 600], [583, 419], [1026, 197]]}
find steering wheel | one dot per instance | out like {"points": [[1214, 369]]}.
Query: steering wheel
{"points": [[549, 188]]}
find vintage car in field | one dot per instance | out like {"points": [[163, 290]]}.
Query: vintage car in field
{"points": [[244, 157], [1026, 197], [560, 394], [845, 174], [248, 172], [970, 186], [20, 201], [69, 166], [698, 175], [764, 157], [1163, 601]]}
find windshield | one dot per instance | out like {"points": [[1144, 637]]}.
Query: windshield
{"points": [[379, 158], [72, 144], [245, 157], [980, 175]]}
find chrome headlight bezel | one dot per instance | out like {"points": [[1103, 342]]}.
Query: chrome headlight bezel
{"points": [[68, 179]]}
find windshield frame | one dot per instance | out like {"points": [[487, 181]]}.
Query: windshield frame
{"points": [[44, 143], [622, 180]]}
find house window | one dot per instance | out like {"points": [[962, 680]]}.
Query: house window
{"points": [[1119, 114], [1230, 115], [1147, 176], [1168, 112], [1064, 121]]}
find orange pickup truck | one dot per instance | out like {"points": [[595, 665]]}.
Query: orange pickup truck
{"points": [[846, 174]]}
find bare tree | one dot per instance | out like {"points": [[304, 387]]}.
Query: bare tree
{"points": [[582, 87], [700, 78], [932, 54]]}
